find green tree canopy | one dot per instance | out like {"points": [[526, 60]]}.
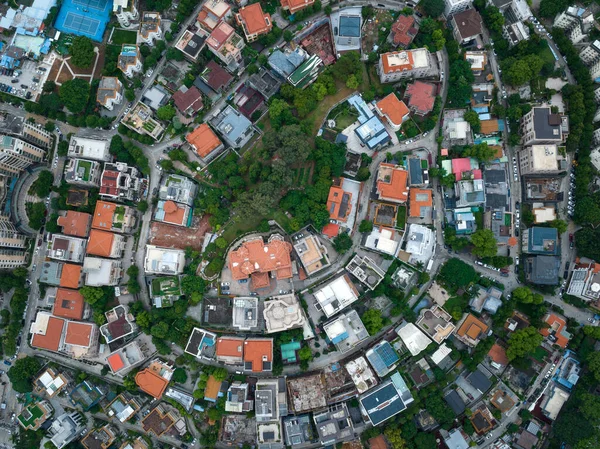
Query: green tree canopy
{"points": [[21, 373], [179, 376], [526, 296], [43, 184], [342, 243], [458, 273], [166, 112], [523, 342], [484, 243], [91, 294], [81, 52], [373, 321], [75, 94], [365, 226], [433, 8]]}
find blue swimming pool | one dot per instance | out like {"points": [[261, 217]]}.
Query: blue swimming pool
{"points": [[84, 18]]}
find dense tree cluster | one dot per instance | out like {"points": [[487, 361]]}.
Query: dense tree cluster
{"points": [[81, 52]]}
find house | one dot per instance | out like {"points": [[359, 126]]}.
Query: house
{"points": [[253, 21], [295, 5], [110, 92], [346, 24], [456, 438], [371, 131], [336, 295], [334, 424], [205, 142], [542, 270], [489, 299], [455, 402], [188, 102], [311, 252], [50, 383], [385, 401], [101, 272], [392, 183], [403, 31], [235, 129], [100, 438], [61, 274], [212, 13], [113, 217], [258, 354], [76, 224], [421, 203], [393, 110], [140, 120], [471, 330], [541, 240], [156, 97], [226, 45], [397, 65], [34, 415], [105, 244], [69, 304], [191, 44], [177, 188], [230, 350], [268, 435], [503, 400], [159, 420], [339, 204], [126, 11], [466, 25], [119, 324], [384, 240], [362, 375], [121, 182], [264, 82], [270, 399], [383, 358], [69, 249], [201, 344], [245, 313], [526, 440], [238, 399], [482, 421], [65, 428], [420, 244], [569, 371], [306, 73], [553, 401], [213, 79], [346, 331], [149, 30], [366, 271], [478, 380], [542, 159], [75, 339], [298, 430], [413, 338], [173, 213], [284, 63], [83, 172], [282, 313], [585, 281], [130, 60], [125, 358], [541, 126], [452, 7], [436, 322], [154, 379], [556, 333], [421, 97], [441, 357], [515, 33], [123, 407], [498, 357], [163, 260], [213, 389]]}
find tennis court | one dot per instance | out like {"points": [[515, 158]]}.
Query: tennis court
{"points": [[84, 18]]}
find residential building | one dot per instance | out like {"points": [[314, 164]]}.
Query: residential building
{"points": [[366, 271], [177, 188], [436, 322], [258, 354], [235, 129], [238, 399], [65, 428], [34, 415], [150, 31], [213, 80], [515, 33], [398, 65], [541, 240], [264, 82], [188, 102], [153, 380], [339, 204], [346, 331], [403, 31], [334, 424], [298, 429], [477, 60], [283, 312], [489, 299], [173, 213], [346, 25], [336, 296], [456, 439], [119, 324], [383, 358], [110, 92], [285, 62], [226, 45], [125, 358], [585, 281], [556, 332], [16, 155], [591, 53], [83, 173], [140, 120], [100, 438], [413, 339], [212, 13], [69, 304], [165, 290], [50, 383], [393, 110], [543, 214], [113, 217], [553, 401], [10, 258], [205, 142], [230, 350], [213, 389], [420, 244], [61, 274], [471, 330], [89, 148], [270, 399], [245, 313], [421, 203], [311, 252], [392, 183], [184, 398], [123, 407], [9, 236], [191, 44], [361, 373], [466, 25], [163, 260], [452, 7], [75, 339], [455, 402], [295, 5], [121, 182], [156, 97], [138, 443], [255, 260], [253, 21], [125, 11], [159, 420], [541, 127], [384, 240], [542, 159], [385, 401], [482, 420], [36, 134], [106, 244], [130, 60], [66, 248], [543, 270], [101, 272], [306, 73], [201, 344], [268, 435], [421, 97]]}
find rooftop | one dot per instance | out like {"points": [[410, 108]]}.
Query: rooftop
{"points": [[386, 400], [258, 354], [392, 108], [468, 23], [421, 97], [68, 304], [254, 256], [392, 183], [254, 19], [75, 223], [204, 140]]}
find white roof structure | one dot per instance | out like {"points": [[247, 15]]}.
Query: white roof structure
{"points": [[87, 148], [362, 374], [336, 295], [458, 129], [164, 260], [442, 352], [51, 384], [346, 331], [544, 214], [477, 59], [282, 313], [420, 243], [456, 440], [100, 272], [413, 338], [545, 157], [554, 401], [382, 239]]}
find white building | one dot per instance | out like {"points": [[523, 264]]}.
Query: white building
{"points": [[361, 373], [245, 313], [346, 331], [66, 428], [541, 159], [88, 148], [454, 6], [125, 11], [541, 127], [420, 244], [9, 236], [110, 92], [590, 53], [585, 282], [150, 30], [67, 248], [397, 65], [383, 240], [335, 296], [163, 260], [515, 33], [83, 172], [413, 338], [100, 272], [130, 60], [283, 312]]}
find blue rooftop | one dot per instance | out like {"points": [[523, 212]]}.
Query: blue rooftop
{"points": [[382, 357], [84, 18], [387, 400], [235, 128], [543, 241], [567, 373], [285, 63], [371, 130]]}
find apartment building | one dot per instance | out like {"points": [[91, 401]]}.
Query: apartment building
{"points": [[541, 159], [212, 12], [83, 172], [36, 134], [254, 21], [120, 182], [149, 30], [540, 127], [125, 11], [89, 148], [16, 155], [9, 236], [398, 65], [130, 60], [110, 92], [226, 45], [10, 258]]}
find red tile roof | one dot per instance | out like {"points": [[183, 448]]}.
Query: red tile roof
{"points": [[108, 182], [220, 35], [396, 187], [388, 68], [557, 326], [295, 5], [230, 347], [338, 204], [100, 243], [331, 230], [75, 223], [116, 362], [257, 351], [190, 99], [204, 140], [402, 31], [393, 109], [103, 215], [420, 198], [79, 334], [256, 256], [68, 304], [216, 76], [174, 213], [51, 339], [151, 383], [421, 97], [498, 354], [254, 20], [70, 276]]}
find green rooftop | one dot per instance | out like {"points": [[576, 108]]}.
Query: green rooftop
{"points": [[30, 415]]}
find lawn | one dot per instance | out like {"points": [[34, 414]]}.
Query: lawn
{"points": [[324, 106], [121, 37], [166, 286], [344, 119], [401, 217], [539, 354]]}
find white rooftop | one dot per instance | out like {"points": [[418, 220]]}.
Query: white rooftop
{"points": [[382, 239], [413, 338], [545, 157], [164, 260], [336, 295]]}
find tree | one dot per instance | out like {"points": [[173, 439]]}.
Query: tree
{"points": [[179, 376], [352, 82], [21, 373], [220, 374], [35, 214], [433, 8], [328, 10], [438, 39], [484, 242], [288, 35], [81, 52], [590, 407], [49, 86], [526, 296], [142, 206], [439, 409], [594, 364], [160, 330], [393, 434], [550, 8], [305, 354], [175, 54], [75, 94], [252, 69], [523, 342], [365, 226], [472, 118], [458, 273], [91, 294], [129, 94], [425, 441], [342, 243], [373, 321], [363, 174], [166, 112], [63, 148], [481, 151], [559, 225], [43, 184]]}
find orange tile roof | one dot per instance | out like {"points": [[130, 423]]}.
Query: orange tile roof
{"points": [[151, 383], [489, 126], [75, 223], [396, 188], [79, 334], [213, 386], [255, 20], [558, 325], [331, 230], [51, 339], [230, 347], [173, 213], [403, 30], [338, 204], [68, 304], [256, 256], [257, 351], [295, 5], [100, 243], [378, 442], [203, 139], [472, 327], [421, 97], [395, 110], [116, 362], [103, 215], [498, 354], [70, 276], [387, 67], [417, 202]]}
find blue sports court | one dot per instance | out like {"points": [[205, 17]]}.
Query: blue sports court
{"points": [[84, 18]]}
